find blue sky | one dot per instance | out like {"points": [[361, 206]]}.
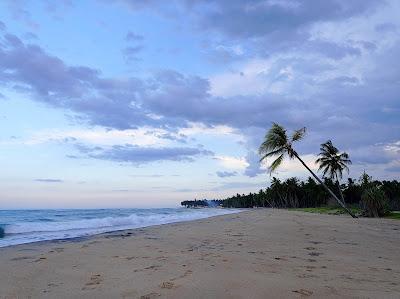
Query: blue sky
{"points": [[147, 103]]}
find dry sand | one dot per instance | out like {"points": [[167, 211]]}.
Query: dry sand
{"points": [[255, 254]]}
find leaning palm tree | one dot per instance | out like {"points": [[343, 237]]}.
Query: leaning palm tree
{"points": [[332, 163], [277, 143]]}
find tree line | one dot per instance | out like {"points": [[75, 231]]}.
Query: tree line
{"points": [[376, 198], [332, 163], [202, 203], [293, 193]]}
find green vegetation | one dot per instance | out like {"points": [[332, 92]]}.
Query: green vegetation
{"points": [[293, 193], [367, 197], [194, 203], [277, 143], [393, 215], [308, 196], [327, 210], [338, 211], [333, 163], [374, 201]]}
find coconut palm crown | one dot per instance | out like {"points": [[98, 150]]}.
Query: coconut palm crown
{"points": [[332, 162], [278, 143]]}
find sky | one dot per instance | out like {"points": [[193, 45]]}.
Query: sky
{"points": [[124, 103]]}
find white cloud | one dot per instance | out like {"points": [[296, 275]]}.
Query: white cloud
{"points": [[201, 129], [140, 136], [249, 79], [293, 167], [229, 162]]}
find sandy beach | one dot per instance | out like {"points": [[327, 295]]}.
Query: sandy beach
{"points": [[258, 253]]}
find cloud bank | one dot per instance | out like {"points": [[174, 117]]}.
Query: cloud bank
{"points": [[332, 66]]}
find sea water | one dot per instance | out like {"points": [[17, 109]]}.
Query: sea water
{"points": [[27, 226]]}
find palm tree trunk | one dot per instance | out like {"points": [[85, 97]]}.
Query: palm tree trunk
{"points": [[340, 191], [266, 200], [325, 186]]}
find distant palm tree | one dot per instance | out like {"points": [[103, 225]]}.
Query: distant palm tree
{"points": [[277, 143], [332, 163]]}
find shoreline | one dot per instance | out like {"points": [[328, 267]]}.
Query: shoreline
{"points": [[252, 254], [76, 238]]}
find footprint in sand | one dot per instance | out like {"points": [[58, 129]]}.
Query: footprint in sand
{"points": [[150, 296], [130, 258], [162, 258], [20, 258], [315, 242], [167, 285], [58, 250], [50, 286], [95, 280], [303, 292], [306, 276], [315, 253], [40, 259], [280, 259], [187, 273], [311, 260], [153, 267], [310, 248]]}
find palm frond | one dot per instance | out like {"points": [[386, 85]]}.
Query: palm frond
{"points": [[276, 136], [331, 161], [274, 140], [326, 169], [299, 134], [339, 173], [345, 167], [323, 165], [345, 158], [277, 143], [279, 151], [277, 162], [322, 160]]}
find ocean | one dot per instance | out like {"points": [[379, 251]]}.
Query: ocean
{"points": [[27, 226]]}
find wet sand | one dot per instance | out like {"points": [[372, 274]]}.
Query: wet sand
{"points": [[258, 253]]}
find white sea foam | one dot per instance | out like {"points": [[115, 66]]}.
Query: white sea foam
{"points": [[33, 226]]}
